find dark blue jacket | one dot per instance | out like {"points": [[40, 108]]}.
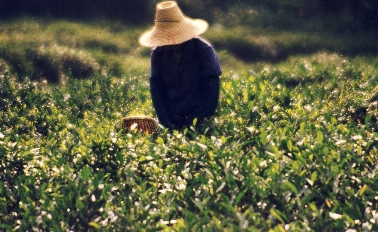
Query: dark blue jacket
{"points": [[184, 85]]}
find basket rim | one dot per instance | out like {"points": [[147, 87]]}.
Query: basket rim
{"points": [[147, 124], [139, 118]]}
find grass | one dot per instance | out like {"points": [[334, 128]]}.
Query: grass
{"points": [[293, 146]]}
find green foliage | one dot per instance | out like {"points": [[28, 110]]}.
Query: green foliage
{"points": [[49, 63], [255, 44], [56, 50], [286, 151]]}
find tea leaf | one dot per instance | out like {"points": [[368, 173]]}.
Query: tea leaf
{"points": [[291, 186], [85, 173], [319, 136], [279, 215], [79, 204], [314, 175], [289, 145], [362, 190], [263, 136], [94, 225]]}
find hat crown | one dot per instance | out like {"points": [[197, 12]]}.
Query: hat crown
{"points": [[172, 26], [168, 12]]}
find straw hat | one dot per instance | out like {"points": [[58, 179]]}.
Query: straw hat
{"points": [[172, 26]]}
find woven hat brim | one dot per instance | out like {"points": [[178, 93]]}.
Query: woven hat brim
{"points": [[170, 33]]}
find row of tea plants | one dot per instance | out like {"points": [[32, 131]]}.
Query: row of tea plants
{"points": [[293, 147]]}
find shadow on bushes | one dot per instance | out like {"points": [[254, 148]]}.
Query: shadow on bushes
{"points": [[44, 65], [245, 47], [51, 63], [254, 45]]}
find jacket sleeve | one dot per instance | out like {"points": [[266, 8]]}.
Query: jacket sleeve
{"points": [[157, 90], [209, 85], [209, 62]]}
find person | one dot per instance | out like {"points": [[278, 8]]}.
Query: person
{"points": [[185, 70]]}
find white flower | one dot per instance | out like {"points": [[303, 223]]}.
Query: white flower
{"points": [[181, 186], [335, 215], [164, 222], [263, 164], [112, 216], [366, 226], [357, 137], [203, 146], [217, 142], [308, 108]]}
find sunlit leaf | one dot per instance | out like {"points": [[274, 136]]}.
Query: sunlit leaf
{"points": [[362, 190], [319, 136], [279, 228], [314, 175], [279, 215], [159, 140], [289, 145], [94, 225], [291, 186]]}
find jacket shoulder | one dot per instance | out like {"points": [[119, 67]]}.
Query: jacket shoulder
{"points": [[202, 42], [157, 50]]}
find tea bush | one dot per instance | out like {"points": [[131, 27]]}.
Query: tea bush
{"points": [[53, 50], [286, 151], [51, 63], [256, 44], [48, 49]]}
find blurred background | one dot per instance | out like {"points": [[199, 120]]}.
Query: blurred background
{"points": [[46, 39], [358, 14]]}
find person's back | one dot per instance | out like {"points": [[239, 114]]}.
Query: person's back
{"points": [[184, 78]]}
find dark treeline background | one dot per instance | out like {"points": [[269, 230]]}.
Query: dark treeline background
{"points": [[365, 12]]}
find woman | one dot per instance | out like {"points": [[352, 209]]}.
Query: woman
{"points": [[185, 70]]}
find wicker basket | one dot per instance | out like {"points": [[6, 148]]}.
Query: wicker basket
{"points": [[140, 123]]}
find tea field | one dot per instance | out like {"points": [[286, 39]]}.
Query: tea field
{"points": [[293, 147]]}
